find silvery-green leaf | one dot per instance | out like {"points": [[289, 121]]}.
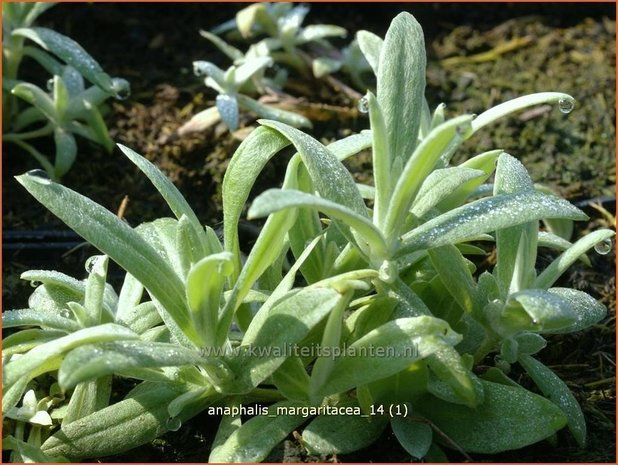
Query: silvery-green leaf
{"points": [[251, 66], [43, 353], [24, 340], [227, 105], [485, 162], [36, 10], [486, 215], [331, 341], [517, 104], [168, 191], [554, 242], [455, 274], [242, 171], [227, 426], [252, 441], [537, 310], [447, 365], [558, 392], [587, 309], [28, 452], [530, 343], [415, 437], [160, 234], [232, 52], [97, 360], [342, 434], [206, 68], [509, 418], [401, 83], [136, 420], [130, 295], [331, 179], [70, 52], [32, 317], [439, 185], [141, 318], [509, 350], [66, 151], [95, 288], [292, 380], [315, 32], [200, 121], [381, 157], [418, 166], [205, 283], [88, 398], [405, 340], [274, 200], [96, 124], [73, 81], [267, 111], [35, 96], [371, 46], [323, 66], [556, 268], [288, 322], [438, 116]]}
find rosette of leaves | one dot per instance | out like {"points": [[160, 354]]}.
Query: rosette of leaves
{"points": [[232, 85], [282, 24], [67, 107], [392, 276]]}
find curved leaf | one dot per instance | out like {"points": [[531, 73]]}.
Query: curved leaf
{"points": [[509, 418]]}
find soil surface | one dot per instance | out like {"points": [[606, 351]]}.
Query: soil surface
{"points": [[478, 56]]}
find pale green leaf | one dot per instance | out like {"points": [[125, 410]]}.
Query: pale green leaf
{"points": [[43, 353], [415, 437], [401, 83], [252, 441], [558, 392], [486, 215], [556, 268], [342, 434], [387, 350], [587, 309], [509, 418]]}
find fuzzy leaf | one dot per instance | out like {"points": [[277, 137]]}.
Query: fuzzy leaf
{"points": [[115, 238], [537, 310], [96, 360], [587, 309], [44, 353], [252, 441], [342, 434], [401, 83], [371, 46], [556, 268], [405, 340], [509, 418], [555, 390], [415, 437], [70, 52], [270, 112], [486, 215], [267, 343]]}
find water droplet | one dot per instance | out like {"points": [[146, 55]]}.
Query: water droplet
{"points": [[121, 88], [200, 68], [173, 424], [40, 176], [363, 105], [65, 314], [90, 263], [566, 105], [35, 283], [50, 84], [604, 247]]}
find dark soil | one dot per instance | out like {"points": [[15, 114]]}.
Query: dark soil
{"points": [[561, 47]]}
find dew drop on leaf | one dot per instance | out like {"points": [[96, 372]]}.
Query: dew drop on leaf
{"points": [[566, 105], [604, 247], [90, 263], [65, 313], [35, 283], [50, 84], [40, 176], [363, 105], [173, 424], [121, 88]]}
